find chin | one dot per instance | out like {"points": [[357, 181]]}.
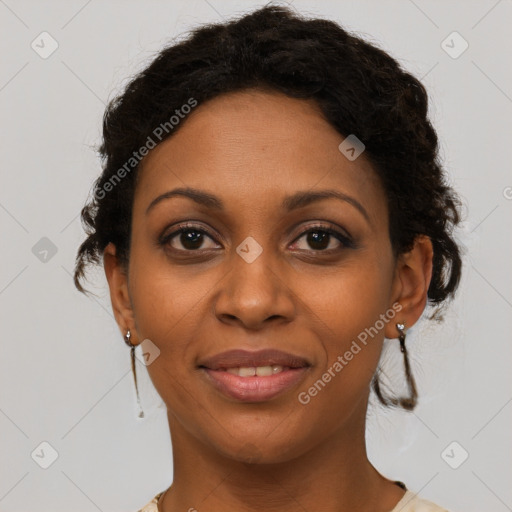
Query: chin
{"points": [[260, 449]]}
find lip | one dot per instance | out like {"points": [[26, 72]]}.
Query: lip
{"points": [[266, 357], [255, 389]]}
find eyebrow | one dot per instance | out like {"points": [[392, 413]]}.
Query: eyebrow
{"points": [[298, 200]]}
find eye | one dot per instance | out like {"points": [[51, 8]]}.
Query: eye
{"points": [[320, 238], [189, 236]]}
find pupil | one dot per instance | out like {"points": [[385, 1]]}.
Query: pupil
{"points": [[191, 237], [314, 238]]}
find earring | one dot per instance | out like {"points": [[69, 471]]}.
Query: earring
{"points": [[127, 337], [408, 403]]}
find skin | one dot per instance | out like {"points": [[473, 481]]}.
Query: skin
{"points": [[252, 149]]}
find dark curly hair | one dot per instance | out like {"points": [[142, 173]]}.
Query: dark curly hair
{"points": [[359, 88]]}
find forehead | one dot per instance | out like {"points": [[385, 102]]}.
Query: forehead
{"points": [[253, 148]]}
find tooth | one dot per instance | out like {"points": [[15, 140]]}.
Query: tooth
{"points": [[263, 371], [260, 371], [247, 371]]}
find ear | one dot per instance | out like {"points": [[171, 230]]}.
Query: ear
{"points": [[413, 273], [119, 295]]}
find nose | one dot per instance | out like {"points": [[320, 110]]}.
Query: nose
{"points": [[255, 293]]}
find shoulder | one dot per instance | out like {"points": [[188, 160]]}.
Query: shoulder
{"points": [[412, 502], [152, 505]]}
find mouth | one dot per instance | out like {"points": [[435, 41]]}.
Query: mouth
{"points": [[254, 376]]}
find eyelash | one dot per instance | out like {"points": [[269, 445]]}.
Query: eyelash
{"points": [[346, 242]]}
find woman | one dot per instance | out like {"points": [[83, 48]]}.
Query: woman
{"points": [[271, 208]]}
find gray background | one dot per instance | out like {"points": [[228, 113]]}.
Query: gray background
{"points": [[65, 374]]}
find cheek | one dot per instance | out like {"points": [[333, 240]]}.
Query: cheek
{"points": [[349, 299], [165, 312], [164, 299], [350, 310], [164, 309]]}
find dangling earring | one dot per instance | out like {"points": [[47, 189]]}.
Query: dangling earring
{"points": [[127, 337], [409, 402]]}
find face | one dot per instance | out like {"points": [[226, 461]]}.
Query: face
{"points": [[262, 261]]}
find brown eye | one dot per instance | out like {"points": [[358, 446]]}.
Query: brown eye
{"points": [[190, 237], [318, 240], [323, 238]]}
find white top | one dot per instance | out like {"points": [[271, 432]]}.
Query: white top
{"points": [[410, 502]]}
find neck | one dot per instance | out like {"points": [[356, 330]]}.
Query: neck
{"points": [[334, 476]]}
